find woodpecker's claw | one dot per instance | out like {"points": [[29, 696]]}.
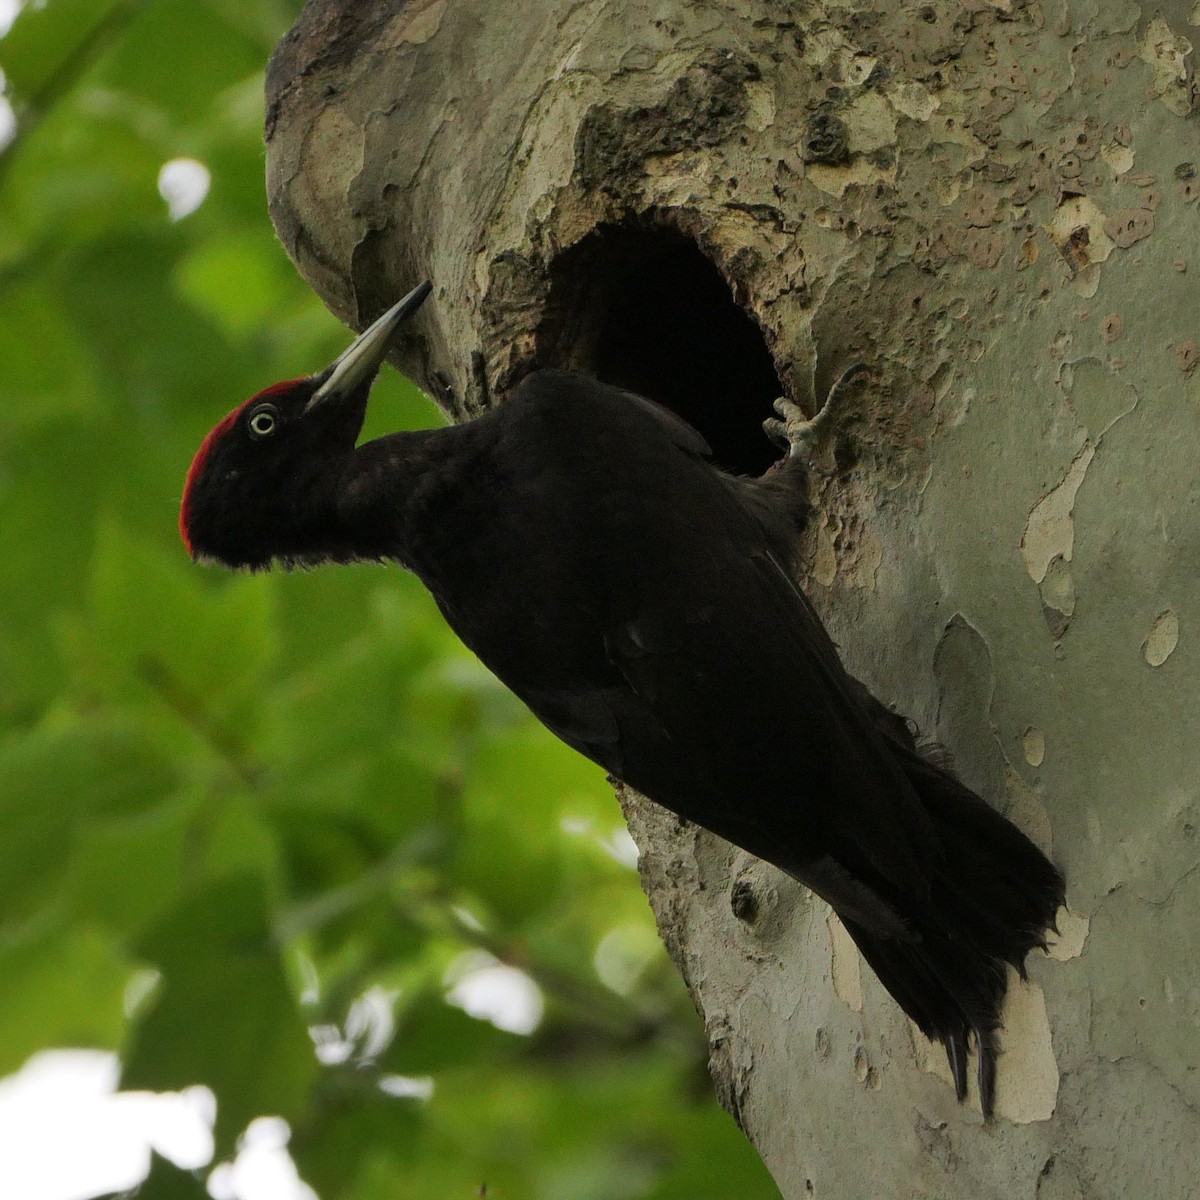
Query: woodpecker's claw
{"points": [[791, 430], [801, 435]]}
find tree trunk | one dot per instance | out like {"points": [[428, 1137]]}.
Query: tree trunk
{"points": [[992, 204]]}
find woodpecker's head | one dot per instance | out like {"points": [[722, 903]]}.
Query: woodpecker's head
{"points": [[260, 483]]}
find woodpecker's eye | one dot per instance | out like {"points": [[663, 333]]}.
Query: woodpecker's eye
{"points": [[264, 421]]}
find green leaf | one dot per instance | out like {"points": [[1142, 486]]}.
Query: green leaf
{"points": [[65, 987], [157, 58], [362, 1138], [223, 1014], [521, 788], [153, 631], [126, 871], [51, 780], [235, 837], [242, 280], [434, 1036], [46, 39], [38, 387], [167, 1182]]}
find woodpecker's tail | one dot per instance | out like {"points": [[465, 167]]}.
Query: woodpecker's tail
{"points": [[992, 898]]}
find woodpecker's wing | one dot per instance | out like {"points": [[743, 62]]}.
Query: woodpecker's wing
{"points": [[726, 661], [781, 750]]}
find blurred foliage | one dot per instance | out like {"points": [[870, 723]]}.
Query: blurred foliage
{"points": [[234, 807]]}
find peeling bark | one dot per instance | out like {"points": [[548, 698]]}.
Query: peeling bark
{"points": [[994, 203]]}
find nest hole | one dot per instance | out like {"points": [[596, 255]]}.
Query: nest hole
{"points": [[643, 308]]}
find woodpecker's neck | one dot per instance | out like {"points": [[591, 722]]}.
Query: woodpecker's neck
{"points": [[390, 491]]}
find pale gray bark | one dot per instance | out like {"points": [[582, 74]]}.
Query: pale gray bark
{"points": [[994, 204]]}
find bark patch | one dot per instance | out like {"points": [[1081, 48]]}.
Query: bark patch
{"points": [[700, 109]]}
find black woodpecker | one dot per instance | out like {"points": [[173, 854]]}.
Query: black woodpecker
{"points": [[644, 605]]}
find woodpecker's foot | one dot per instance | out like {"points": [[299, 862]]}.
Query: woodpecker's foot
{"points": [[801, 435], [792, 430]]}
